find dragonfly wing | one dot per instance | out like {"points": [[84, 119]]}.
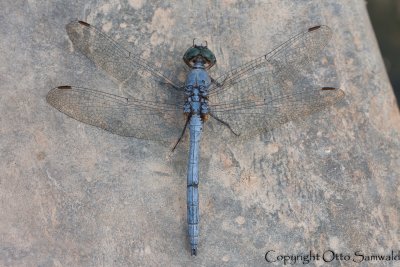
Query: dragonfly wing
{"points": [[120, 115], [143, 80], [265, 93], [263, 115]]}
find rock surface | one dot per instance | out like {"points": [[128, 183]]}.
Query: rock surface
{"points": [[74, 195]]}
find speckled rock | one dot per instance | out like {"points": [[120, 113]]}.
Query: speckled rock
{"points": [[74, 195]]}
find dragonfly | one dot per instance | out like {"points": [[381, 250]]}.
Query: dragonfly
{"points": [[260, 95]]}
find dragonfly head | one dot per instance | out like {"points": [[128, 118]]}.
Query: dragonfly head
{"points": [[198, 53]]}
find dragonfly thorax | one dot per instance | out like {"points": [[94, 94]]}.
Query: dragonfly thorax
{"points": [[197, 83]]}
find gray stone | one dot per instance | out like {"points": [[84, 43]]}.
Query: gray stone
{"points": [[74, 195]]}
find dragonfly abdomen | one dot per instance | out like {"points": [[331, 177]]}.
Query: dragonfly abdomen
{"points": [[193, 215]]}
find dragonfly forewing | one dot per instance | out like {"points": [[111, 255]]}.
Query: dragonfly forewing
{"points": [[143, 80]]}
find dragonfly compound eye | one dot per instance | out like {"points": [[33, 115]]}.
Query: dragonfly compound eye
{"points": [[209, 56], [202, 52]]}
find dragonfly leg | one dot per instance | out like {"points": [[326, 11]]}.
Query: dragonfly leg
{"points": [[183, 132], [216, 82], [224, 123]]}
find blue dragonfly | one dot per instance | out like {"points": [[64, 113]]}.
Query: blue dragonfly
{"points": [[252, 98]]}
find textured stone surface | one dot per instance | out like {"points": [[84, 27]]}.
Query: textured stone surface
{"points": [[74, 195]]}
